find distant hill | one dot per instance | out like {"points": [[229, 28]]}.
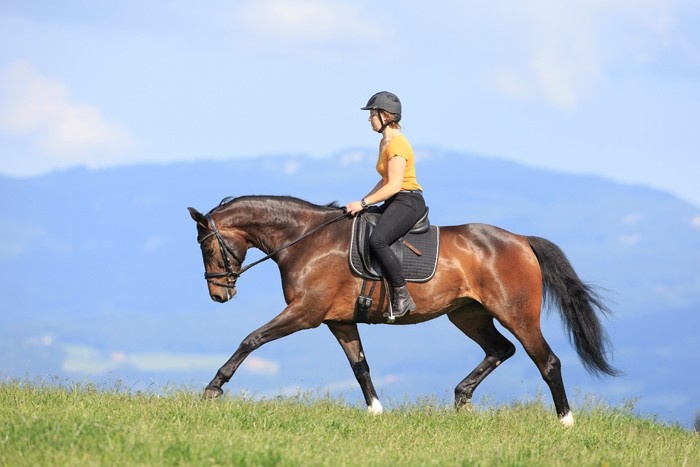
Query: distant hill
{"points": [[102, 279]]}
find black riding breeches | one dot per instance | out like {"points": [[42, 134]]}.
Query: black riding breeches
{"points": [[399, 214]]}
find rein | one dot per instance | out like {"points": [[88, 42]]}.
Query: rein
{"points": [[230, 275]]}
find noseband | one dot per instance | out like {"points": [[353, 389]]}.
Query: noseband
{"points": [[230, 275]]}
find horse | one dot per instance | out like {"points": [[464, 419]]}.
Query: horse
{"points": [[484, 274]]}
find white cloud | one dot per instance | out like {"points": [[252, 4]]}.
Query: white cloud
{"points": [[561, 51], [305, 21], [695, 221], [287, 166], [261, 366], [86, 359], [352, 158], [164, 361], [508, 83], [629, 239], [291, 167], [39, 109], [632, 219]]}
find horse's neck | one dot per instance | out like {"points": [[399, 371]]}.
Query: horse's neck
{"points": [[271, 223]]}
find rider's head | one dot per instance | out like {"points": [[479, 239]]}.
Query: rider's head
{"points": [[387, 107]]}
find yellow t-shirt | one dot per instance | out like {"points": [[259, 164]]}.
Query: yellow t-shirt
{"points": [[399, 146]]}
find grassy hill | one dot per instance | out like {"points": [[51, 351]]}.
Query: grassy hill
{"points": [[79, 425]]}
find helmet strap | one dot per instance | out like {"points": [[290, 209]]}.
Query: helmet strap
{"points": [[381, 120]]}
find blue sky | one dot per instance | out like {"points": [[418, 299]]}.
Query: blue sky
{"points": [[604, 87]]}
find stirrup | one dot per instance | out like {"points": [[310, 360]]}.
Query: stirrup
{"points": [[389, 315]]}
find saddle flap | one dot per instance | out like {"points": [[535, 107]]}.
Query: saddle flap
{"points": [[419, 258]]}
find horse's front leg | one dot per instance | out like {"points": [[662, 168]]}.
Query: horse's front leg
{"points": [[349, 339], [286, 323]]}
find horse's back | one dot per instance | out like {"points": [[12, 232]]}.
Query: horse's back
{"points": [[480, 237], [480, 254]]}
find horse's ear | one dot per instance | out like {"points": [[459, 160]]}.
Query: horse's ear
{"points": [[198, 217]]}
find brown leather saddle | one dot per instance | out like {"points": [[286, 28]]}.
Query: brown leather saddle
{"points": [[417, 250]]}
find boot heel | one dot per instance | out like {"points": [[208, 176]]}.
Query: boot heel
{"points": [[401, 302]]}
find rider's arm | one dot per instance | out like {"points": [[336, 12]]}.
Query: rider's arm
{"points": [[382, 192]]}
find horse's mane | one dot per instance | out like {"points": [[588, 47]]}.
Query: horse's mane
{"points": [[291, 199], [227, 200]]}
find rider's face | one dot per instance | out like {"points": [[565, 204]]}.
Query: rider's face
{"points": [[374, 120]]}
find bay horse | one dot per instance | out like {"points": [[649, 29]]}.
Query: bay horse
{"points": [[484, 273]]}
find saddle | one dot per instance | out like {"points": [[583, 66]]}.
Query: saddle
{"points": [[417, 250]]}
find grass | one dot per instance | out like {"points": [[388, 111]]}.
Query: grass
{"points": [[80, 425]]}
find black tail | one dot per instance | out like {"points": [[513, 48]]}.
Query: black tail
{"points": [[578, 305]]}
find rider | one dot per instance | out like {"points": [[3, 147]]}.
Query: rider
{"points": [[402, 195]]}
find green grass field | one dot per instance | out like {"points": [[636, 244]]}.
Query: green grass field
{"points": [[80, 425]]}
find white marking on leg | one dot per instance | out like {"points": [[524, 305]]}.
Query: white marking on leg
{"points": [[567, 420], [375, 408]]}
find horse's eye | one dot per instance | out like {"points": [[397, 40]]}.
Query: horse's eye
{"points": [[209, 252]]}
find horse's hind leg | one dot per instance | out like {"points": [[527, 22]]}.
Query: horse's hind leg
{"points": [[526, 328], [477, 324], [550, 367], [349, 339]]}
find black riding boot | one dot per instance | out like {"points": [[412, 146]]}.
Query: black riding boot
{"points": [[401, 302]]}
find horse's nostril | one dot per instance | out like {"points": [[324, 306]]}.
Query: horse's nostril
{"points": [[217, 298]]}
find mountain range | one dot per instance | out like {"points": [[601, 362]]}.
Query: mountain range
{"points": [[102, 282]]}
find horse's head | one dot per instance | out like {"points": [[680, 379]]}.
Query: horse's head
{"points": [[223, 253]]}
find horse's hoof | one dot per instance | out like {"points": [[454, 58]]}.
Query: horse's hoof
{"points": [[212, 393], [464, 405], [567, 420], [375, 408]]}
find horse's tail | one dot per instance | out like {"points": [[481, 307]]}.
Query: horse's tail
{"points": [[578, 305]]}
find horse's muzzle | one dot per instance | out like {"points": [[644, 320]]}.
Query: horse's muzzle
{"points": [[224, 297]]}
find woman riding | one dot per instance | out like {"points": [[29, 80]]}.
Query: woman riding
{"points": [[402, 196]]}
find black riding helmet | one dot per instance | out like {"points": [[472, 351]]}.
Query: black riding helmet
{"points": [[388, 102]]}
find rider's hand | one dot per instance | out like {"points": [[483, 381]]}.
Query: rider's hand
{"points": [[354, 207]]}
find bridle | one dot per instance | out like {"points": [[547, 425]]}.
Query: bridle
{"points": [[230, 275]]}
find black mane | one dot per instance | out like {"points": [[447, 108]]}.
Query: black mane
{"points": [[230, 199]]}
